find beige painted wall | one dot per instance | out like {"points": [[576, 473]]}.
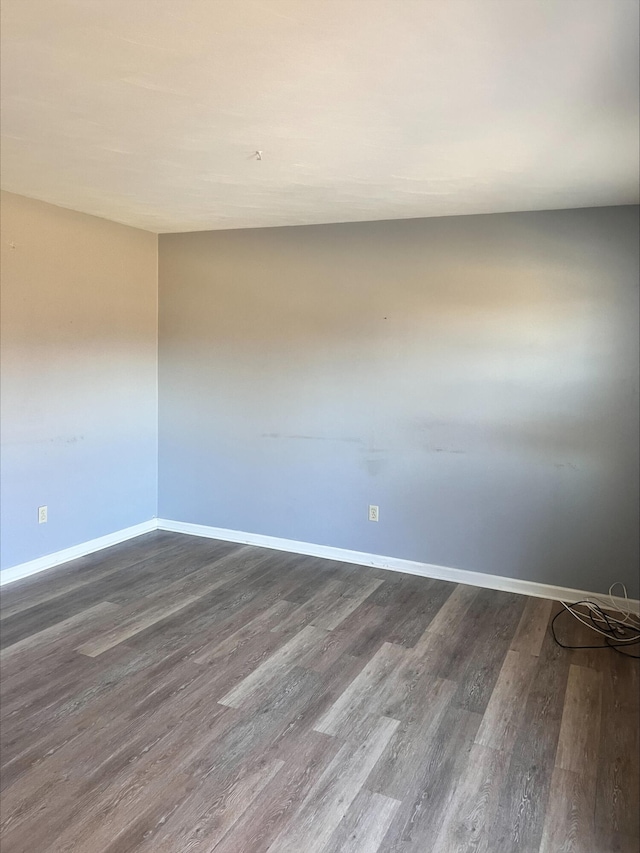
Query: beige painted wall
{"points": [[79, 369]]}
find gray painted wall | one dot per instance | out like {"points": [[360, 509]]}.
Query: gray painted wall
{"points": [[476, 377], [79, 381]]}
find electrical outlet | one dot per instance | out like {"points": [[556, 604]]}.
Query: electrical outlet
{"points": [[373, 513], [42, 514]]}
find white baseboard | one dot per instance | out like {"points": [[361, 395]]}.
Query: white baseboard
{"points": [[394, 564], [23, 570]]}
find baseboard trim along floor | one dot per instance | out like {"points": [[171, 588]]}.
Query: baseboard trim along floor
{"points": [[394, 564], [49, 561]]}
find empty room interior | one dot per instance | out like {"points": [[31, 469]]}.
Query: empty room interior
{"points": [[320, 426]]}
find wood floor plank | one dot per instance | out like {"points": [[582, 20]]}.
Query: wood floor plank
{"points": [[210, 812], [400, 771], [501, 720], [473, 615], [520, 819], [63, 580], [363, 694], [292, 652], [114, 714], [361, 633], [443, 765], [470, 813], [618, 771], [338, 611], [150, 663], [134, 835], [476, 667], [75, 805], [273, 808], [532, 626], [76, 684], [449, 720], [165, 770], [409, 620], [217, 650], [580, 729], [569, 825], [34, 676], [614, 842], [367, 627], [175, 597], [35, 645], [140, 578], [214, 616], [450, 617], [329, 799], [328, 686], [133, 624], [315, 575], [169, 569], [313, 608], [111, 691], [410, 605], [364, 826]]}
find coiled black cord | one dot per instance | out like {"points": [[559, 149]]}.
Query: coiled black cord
{"points": [[617, 634]]}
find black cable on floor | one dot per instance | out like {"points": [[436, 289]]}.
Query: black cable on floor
{"points": [[608, 644]]}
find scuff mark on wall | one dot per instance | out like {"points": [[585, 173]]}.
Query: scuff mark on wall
{"points": [[374, 466], [58, 439], [311, 437]]}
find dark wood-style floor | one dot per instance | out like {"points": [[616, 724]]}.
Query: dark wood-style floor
{"points": [[177, 694]]}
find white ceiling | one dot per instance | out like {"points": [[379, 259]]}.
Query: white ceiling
{"points": [[147, 111]]}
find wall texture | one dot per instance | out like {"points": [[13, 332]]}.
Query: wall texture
{"points": [[79, 371], [476, 377]]}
